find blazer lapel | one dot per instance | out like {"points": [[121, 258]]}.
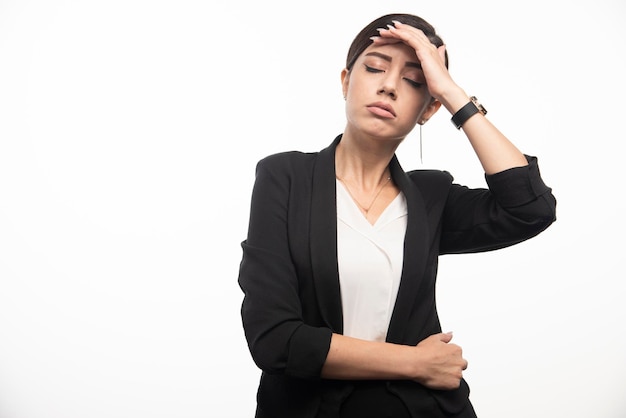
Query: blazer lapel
{"points": [[323, 230], [415, 253]]}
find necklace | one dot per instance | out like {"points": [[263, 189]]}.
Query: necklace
{"points": [[367, 208]]}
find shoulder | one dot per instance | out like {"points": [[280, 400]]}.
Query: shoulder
{"points": [[286, 161], [431, 178], [286, 168]]}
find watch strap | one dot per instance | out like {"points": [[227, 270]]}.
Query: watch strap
{"points": [[470, 109]]}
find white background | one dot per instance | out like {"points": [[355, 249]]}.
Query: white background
{"points": [[129, 132]]}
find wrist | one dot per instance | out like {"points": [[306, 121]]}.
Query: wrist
{"points": [[454, 99], [414, 364]]}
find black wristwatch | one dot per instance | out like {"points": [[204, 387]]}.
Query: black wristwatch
{"points": [[467, 111]]}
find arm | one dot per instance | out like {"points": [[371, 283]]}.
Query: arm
{"points": [[518, 205], [495, 152], [434, 362], [279, 340]]}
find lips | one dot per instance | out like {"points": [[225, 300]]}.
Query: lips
{"points": [[382, 109]]}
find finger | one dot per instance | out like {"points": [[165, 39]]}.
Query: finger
{"points": [[405, 32], [446, 337], [389, 32], [379, 40], [408, 32], [442, 52]]}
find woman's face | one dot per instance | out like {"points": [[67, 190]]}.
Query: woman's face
{"points": [[385, 92]]}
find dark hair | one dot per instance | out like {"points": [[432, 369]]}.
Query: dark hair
{"points": [[362, 40]]}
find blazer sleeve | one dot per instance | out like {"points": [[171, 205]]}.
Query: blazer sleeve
{"points": [[279, 340], [517, 206]]}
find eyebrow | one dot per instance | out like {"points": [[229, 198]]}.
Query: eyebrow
{"points": [[388, 58]]}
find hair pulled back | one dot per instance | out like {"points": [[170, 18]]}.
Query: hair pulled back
{"points": [[362, 40]]}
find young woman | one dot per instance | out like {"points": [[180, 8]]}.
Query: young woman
{"points": [[340, 260]]}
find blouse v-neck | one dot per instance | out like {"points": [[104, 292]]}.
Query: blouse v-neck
{"points": [[370, 259], [348, 209]]}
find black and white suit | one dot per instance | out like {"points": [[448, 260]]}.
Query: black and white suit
{"points": [[289, 273]]}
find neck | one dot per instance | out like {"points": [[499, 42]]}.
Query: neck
{"points": [[363, 163]]}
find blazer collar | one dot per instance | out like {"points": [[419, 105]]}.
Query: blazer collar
{"points": [[323, 229]]}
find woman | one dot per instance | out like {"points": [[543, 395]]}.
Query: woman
{"points": [[340, 260]]}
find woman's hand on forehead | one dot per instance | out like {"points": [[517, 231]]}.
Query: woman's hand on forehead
{"points": [[431, 57]]}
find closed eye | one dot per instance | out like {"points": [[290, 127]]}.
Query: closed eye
{"points": [[372, 69], [414, 83]]}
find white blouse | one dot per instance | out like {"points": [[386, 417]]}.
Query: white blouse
{"points": [[370, 264]]}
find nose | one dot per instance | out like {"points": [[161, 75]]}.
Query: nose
{"points": [[388, 87]]}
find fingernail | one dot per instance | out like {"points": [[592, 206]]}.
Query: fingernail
{"points": [[381, 29], [395, 22]]}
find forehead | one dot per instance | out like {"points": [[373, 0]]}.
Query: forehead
{"points": [[396, 52]]}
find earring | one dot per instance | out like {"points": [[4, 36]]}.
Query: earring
{"points": [[421, 122], [421, 158]]}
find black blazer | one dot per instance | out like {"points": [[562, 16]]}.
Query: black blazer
{"points": [[289, 272]]}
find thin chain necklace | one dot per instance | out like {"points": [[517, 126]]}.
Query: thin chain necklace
{"points": [[364, 208]]}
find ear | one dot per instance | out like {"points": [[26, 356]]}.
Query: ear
{"points": [[345, 81], [430, 110]]}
